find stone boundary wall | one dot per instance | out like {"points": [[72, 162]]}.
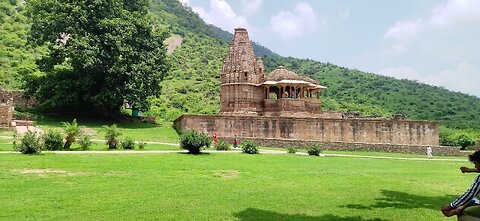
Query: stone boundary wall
{"points": [[6, 114], [18, 99], [342, 146], [371, 131]]}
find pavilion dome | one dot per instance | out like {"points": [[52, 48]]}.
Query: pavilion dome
{"points": [[281, 73]]}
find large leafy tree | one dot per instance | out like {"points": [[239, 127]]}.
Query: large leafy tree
{"points": [[101, 54]]}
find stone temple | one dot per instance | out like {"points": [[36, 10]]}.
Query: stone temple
{"points": [[283, 108]]}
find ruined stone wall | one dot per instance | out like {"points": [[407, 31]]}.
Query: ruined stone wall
{"points": [[6, 114], [18, 99], [371, 131], [343, 146]]}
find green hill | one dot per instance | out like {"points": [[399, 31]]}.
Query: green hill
{"points": [[192, 85]]}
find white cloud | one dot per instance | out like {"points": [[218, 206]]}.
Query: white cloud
{"points": [[291, 24], [185, 2], [461, 78], [464, 77], [221, 15], [401, 72], [402, 33], [345, 13], [450, 13], [456, 11], [251, 6]]}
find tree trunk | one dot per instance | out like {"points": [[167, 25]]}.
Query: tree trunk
{"points": [[68, 143]]}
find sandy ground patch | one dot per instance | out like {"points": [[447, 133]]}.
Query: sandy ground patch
{"points": [[227, 174], [44, 172]]}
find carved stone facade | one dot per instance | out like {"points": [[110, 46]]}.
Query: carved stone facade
{"points": [[283, 106], [240, 77], [245, 90]]}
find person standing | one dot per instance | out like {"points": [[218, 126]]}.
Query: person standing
{"points": [[235, 141], [429, 152], [214, 139]]}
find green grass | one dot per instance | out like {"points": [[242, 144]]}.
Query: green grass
{"points": [[224, 187], [100, 146], [162, 132]]}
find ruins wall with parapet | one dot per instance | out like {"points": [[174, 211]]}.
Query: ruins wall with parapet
{"points": [[369, 131], [18, 98]]}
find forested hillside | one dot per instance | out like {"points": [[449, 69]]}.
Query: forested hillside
{"points": [[192, 85], [16, 58], [377, 95]]}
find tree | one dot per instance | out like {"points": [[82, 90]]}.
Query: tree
{"points": [[72, 130], [111, 134], [465, 140], [101, 54]]}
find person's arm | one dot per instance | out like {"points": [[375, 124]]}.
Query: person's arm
{"points": [[469, 170], [449, 211], [467, 196]]}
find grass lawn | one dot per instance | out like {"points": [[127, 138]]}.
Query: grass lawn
{"points": [[163, 132], [225, 187], [8, 146]]}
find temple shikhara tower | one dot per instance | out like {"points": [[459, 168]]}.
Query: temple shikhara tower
{"points": [[282, 107], [241, 77], [245, 90]]}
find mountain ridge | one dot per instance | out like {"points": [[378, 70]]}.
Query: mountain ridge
{"points": [[192, 85]]}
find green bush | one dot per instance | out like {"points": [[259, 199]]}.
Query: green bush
{"points": [[194, 141], [222, 145], [30, 143], [314, 149], [465, 140], [52, 140], [291, 149], [249, 147], [111, 135], [85, 141], [72, 130], [128, 144], [141, 144]]}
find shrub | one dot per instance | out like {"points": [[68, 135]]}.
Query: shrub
{"points": [[53, 140], [111, 135], [465, 140], [72, 131], [194, 141], [141, 144], [85, 141], [291, 149], [222, 145], [314, 149], [249, 147], [30, 143], [128, 144], [447, 137]]}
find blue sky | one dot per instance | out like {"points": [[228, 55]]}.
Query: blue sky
{"points": [[432, 41]]}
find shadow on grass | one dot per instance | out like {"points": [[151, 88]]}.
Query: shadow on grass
{"points": [[195, 154], [401, 200], [253, 214]]}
